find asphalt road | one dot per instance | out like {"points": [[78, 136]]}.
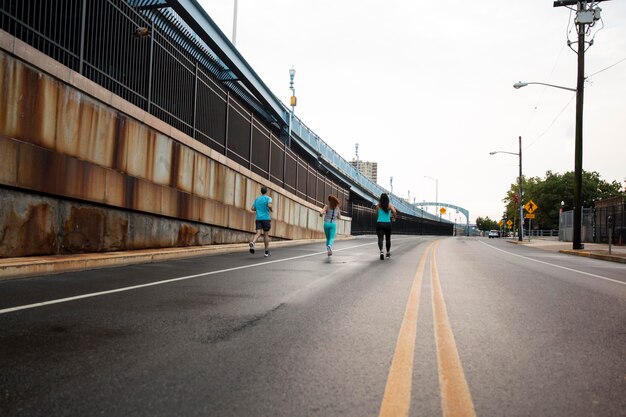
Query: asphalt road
{"points": [[450, 326]]}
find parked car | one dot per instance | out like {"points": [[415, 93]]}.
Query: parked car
{"points": [[493, 233]]}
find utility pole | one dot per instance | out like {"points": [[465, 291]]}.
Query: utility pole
{"points": [[586, 14], [521, 195]]}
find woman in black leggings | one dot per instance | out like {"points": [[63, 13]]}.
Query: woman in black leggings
{"points": [[386, 212]]}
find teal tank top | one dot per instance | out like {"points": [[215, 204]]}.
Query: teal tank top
{"points": [[384, 217]]}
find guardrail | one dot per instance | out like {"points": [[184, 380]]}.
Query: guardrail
{"points": [[323, 150]]}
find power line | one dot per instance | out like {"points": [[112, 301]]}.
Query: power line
{"points": [[610, 66], [553, 121]]}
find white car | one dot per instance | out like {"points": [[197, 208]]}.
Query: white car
{"points": [[493, 233]]}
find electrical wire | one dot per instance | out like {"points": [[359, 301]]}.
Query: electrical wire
{"points": [[610, 66], [553, 122]]}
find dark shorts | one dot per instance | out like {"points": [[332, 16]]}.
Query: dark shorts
{"points": [[266, 225]]}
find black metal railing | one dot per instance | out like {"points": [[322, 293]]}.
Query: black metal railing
{"points": [[147, 56], [617, 224], [364, 222]]}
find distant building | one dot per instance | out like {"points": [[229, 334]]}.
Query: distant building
{"points": [[369, 169]]}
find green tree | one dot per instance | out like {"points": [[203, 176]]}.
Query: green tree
{"points": [[486, 224], [548, 193]]}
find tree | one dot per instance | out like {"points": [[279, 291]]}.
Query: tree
{"points": [[548, 193], [486, 224]]}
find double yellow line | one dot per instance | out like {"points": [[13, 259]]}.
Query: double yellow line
{"points": [[455, 395]]}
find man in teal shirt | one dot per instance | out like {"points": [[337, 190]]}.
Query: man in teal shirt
{"points": [[262, 206]]}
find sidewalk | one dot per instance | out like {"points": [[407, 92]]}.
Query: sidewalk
{"points": [[591, 250], [55, 264]]}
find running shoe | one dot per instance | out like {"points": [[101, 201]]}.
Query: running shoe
{"points": [[382, 256], [330, 250], [252, 247], [388, 255], [267, 253]]}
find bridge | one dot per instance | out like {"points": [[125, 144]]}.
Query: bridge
{"points": [[136, 123], [458, 209]]}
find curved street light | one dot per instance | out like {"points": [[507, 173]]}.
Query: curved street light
{"points": [[578, 146], [521, 206], [521, 84]]}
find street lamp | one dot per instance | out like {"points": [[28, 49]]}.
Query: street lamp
{"points": [[292, 102], [436, 194], [521, 84], [521, 206], [587, 14], [578, 147]]}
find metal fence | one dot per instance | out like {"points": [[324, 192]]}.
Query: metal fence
{"points": [[566, 226], [364, 222], [618, 226], [147, 56]]}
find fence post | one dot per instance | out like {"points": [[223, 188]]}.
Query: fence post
{"points": [[83, 22], [610, 224]]}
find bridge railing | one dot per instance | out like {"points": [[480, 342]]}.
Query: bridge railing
{"points": [[328, 154]]}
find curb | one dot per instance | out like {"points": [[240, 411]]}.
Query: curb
{"points": [[11, 268], [603, 257]]}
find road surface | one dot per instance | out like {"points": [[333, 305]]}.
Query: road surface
{"points": [[446, 327]]}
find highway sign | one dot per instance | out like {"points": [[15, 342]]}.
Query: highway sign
{"points": [[509, 223], [529, 216], [442, 210]]}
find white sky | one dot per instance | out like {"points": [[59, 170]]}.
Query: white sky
{"points": [[425, 88]]}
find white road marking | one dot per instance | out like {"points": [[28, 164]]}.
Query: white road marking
{"points": [[555, 266], [167, 281]]}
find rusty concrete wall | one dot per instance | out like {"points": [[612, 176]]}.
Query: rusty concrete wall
{"points": [[98, 157], [34, 224]]}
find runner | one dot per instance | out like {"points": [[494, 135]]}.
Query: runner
{"points": [[262, 206], [386, 212], [331, 213]]}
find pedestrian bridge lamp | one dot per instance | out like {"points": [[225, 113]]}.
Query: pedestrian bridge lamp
{"points": [[521, 206], [292, 102]]}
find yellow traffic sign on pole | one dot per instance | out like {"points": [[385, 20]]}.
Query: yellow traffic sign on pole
{"points": [[529, 216], [509, 223], [530, 207]]}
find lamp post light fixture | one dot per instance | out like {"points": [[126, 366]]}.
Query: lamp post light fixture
{"points": [[587, 14], [521, 84], [520, 193], [578, 151], [292, 102]]}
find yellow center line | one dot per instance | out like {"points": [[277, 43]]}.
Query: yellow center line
{"points": [[455, 395], [397, 398]]}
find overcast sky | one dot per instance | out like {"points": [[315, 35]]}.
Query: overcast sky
{"points": [[425, 88]]}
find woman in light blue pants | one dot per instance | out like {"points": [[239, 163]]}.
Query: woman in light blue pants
{"points": [[331, 213]]}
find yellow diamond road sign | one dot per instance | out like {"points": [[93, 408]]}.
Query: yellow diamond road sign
{"points": [[530, 206], [509, 223]]}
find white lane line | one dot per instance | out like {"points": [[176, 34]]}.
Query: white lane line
{"points": [[167, 281], [555, 266]]}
